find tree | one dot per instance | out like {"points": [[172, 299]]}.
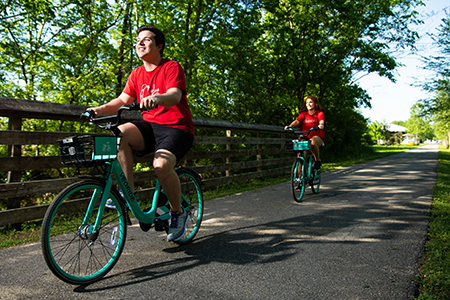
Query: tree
{"points": [[438, 106], [251, 61], [377, 131], [419, 123]]}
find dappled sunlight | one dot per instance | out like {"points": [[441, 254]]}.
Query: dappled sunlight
{"points": [[271, 231], [216, 222], [348, 239]]}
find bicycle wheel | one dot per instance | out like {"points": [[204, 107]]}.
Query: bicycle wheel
{"points": [[315, 183], [72, 249], [192, 202], [297, 181]]}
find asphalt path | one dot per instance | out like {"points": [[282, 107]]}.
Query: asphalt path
{"points": [[360, 237]]}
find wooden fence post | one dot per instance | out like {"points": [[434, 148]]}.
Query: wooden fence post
{"points": [[259, 156], [15, 123], [228, 159]]}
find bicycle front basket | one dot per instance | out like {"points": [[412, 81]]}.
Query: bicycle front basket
{"points": [[88, 150], [297, 145]]}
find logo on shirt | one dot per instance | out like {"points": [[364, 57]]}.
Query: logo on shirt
{"points": [[145, 91]]}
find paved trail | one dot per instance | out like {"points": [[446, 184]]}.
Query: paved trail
{"points": [[361, 237]]}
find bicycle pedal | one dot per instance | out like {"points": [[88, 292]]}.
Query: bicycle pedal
{"points": [[161, 225], [144, 226]]}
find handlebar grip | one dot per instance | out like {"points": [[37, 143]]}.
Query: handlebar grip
{"points": [[87, 115]]}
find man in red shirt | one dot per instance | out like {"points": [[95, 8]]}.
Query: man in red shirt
{"points": [[167, 129]]}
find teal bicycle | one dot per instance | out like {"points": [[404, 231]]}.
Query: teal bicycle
{"points": [[81, 239], [303, 171]]}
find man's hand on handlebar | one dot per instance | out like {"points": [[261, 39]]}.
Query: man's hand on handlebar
{"points": [[94, 112], [150, 102], [88, 115]]}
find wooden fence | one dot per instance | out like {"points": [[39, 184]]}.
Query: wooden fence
{"points": [[261, 145]]}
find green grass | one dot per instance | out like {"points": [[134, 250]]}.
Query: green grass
{"points": [[31, 232], [434, 277]]}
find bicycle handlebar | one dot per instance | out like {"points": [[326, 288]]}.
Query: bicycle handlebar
{"points": [[301, 134], [89, 115]]}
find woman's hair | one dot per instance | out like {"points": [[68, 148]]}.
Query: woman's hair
{"points": [[316, 102], [159, 36]]}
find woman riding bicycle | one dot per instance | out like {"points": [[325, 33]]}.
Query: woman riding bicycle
{"points": [[312, 115]]}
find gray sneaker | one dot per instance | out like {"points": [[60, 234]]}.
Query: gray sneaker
{"points": [[177, 226]]}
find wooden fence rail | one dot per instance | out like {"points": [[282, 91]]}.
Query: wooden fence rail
{"points": [[261, 145]]}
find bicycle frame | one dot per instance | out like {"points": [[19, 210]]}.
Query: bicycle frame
{"points": [[303, 172], [129, 197], [307, 162], [81, 238]]}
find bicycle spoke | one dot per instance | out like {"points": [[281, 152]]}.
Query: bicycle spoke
{"points": [[192, 201], [297, 181], [73, 251]]}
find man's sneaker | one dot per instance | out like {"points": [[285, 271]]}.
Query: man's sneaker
{"points": [[177, 226], [317, 164], [110, 204]]}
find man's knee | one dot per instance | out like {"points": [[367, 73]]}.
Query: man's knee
{"points": [[131, 137], [164, 161]]}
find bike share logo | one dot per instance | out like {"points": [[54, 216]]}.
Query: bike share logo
{"points": [[106, 147]]}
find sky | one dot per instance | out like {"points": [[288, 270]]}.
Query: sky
{"points": [[393, 101]]}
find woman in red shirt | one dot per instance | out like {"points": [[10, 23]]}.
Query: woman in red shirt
{"points": [[312, 115]]}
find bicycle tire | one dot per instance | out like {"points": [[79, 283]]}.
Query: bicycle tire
{"points": [[72, 250], [314, 176], [315, 183], [192, 202], [297, 181]]}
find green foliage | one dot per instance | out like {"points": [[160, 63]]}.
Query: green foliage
{"points": [[419, 123], [435, 275], [400, 123], [438, 106], [377, 131], [250, 61], [435, 269]]}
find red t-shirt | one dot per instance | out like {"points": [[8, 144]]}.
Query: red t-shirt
{"points": [[308, 121], [169, 74]]}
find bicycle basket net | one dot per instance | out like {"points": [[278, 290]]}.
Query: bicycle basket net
{"points": [[88, 150], [297, 145]]}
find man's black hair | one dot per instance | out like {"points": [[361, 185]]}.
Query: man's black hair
{"points": [[159, 36]]}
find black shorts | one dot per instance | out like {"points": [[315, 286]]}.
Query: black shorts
{"points": [[156, 137]]}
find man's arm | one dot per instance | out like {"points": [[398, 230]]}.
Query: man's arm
{"points": [[112, 106], [170, 98]]}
